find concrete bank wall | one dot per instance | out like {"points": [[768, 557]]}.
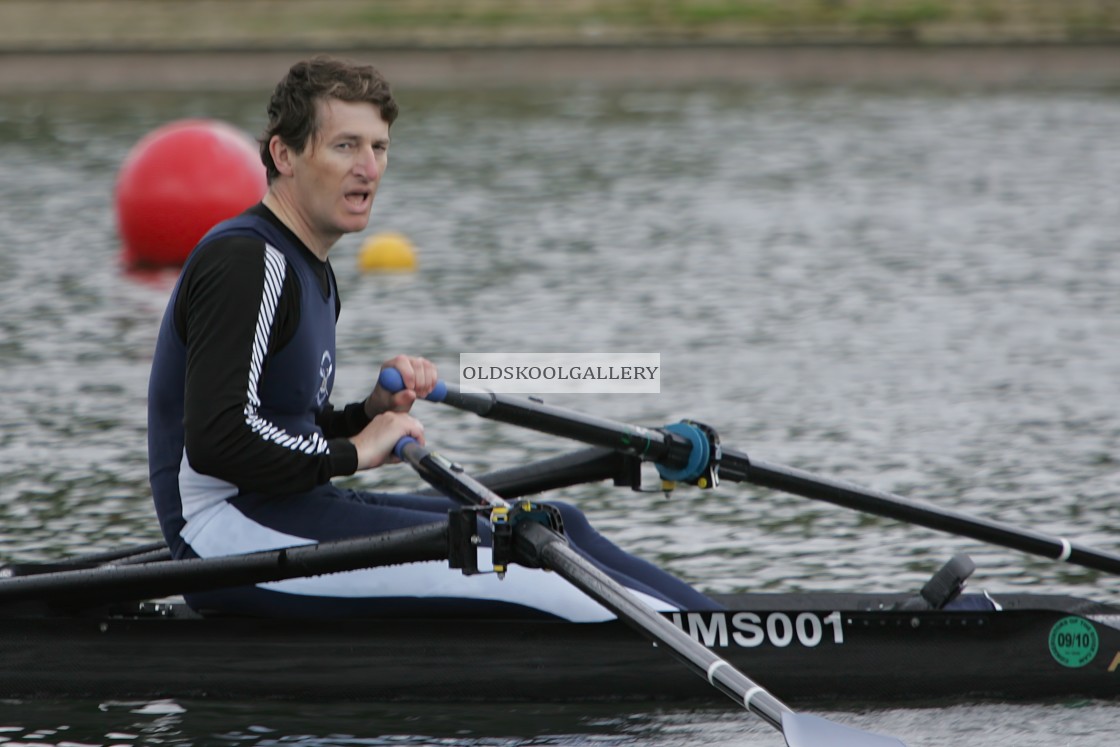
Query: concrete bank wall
{"points": [[629, 65]]}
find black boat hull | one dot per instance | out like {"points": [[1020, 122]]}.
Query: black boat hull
{"points": [[805, 648]]}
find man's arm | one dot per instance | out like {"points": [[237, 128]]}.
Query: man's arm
{"points": [[224, 306], [343, 423]]}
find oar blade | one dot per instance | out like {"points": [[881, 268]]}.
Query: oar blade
{"points": [[806, 730]]}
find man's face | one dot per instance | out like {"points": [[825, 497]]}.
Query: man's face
{"points": [[336, 176]]}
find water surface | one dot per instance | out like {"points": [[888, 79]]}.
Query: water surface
{"points": [[915, 290]]}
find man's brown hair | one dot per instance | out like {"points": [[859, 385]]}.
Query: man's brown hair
{"points": [[292, 112]]}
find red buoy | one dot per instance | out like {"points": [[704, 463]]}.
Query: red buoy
{"points": [[177, 182]]}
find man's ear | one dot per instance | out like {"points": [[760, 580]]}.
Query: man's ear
{"points": [[281, 155]]}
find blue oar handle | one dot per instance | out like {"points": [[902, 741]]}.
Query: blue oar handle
{"points": [[391, 381], [398, 450]]}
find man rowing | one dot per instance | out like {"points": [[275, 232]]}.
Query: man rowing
{"points": [[243, 438]]}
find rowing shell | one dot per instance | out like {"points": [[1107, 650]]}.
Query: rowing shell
{"points": [[812, 648]]}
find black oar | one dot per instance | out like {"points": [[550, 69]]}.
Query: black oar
{"points": [[736, 466], [542, 546], [685, 452], [574, 468], [76, 588], [126, 555]]}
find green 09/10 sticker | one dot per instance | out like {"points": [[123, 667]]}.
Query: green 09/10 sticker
{"points": [[1073, 642]]}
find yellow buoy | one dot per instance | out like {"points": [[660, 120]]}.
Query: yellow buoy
{"points": [[387, 252]]}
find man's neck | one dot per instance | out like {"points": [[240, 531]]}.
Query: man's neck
{"points": [[284, 209]]}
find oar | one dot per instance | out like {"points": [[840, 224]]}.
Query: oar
{"points": [[539, 545], [684, 451], [139, 554], [574, 468], [75, 588]]}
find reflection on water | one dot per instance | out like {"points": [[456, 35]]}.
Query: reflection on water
{"points": [[1074, 724], [912, 290]]}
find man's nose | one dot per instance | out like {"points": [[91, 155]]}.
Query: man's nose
{"points": [[367, 164]]}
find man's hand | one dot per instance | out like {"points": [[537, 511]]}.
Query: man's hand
{"points": [[376, 441], [419, 377]]}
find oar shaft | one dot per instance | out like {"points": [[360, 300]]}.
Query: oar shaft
{"points": [[648, 444], [574, 468], [562, 559], [140, 553], [737, 467], [164, 578], [669, 449], [544, 547], [555, 554], [673, 451]]}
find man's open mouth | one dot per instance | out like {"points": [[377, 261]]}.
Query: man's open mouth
{"points": [[359, 199]]}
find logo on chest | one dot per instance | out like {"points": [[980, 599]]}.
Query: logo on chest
{"points": [[326, 369]]}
